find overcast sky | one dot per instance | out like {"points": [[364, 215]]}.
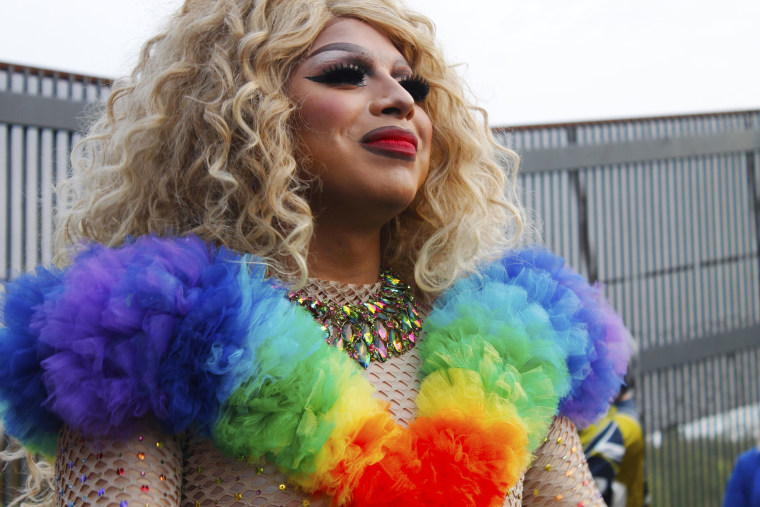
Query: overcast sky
{"points": [[527, 61]]}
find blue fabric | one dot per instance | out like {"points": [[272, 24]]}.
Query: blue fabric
{"points": [[25, 413], [743, 488]]}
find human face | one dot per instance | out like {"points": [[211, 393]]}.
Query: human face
{"points": [[360, 124]]}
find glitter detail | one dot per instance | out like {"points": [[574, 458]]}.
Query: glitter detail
{"points": [[119, 471], [559, 440], [162, 478], [142, 473], [548, 468], [259, 470], [282, 486], [558, 498], [139, 438], [386, 325], [219, 481], [573, 449], [141, 456], [258, 491], [238, 497], [83, 478], [144, 488], [101, 492], [306, 503], [536, 492], [123, 503], [159, 444]]}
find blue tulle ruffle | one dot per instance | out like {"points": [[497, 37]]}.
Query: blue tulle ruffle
{"points": [[22, 391]]}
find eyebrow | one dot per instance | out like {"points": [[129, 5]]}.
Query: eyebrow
{"points": [[351, 48], [341, 46]]}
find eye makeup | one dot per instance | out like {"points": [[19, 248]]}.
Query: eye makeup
{"points": [[355, 71], [417, 86], [342, 73]]}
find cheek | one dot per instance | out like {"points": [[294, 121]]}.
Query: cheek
{"points": [[425, 129], [321, 115], [425, 125]]}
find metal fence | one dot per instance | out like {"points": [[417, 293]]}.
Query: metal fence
{"points": [[41, 116], [663, 211]]}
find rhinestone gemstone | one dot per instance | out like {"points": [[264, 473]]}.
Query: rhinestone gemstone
{"points": [[396, 342], [362, 353], [366, 334], [386, 325], [382, 350], [348, 333], [381, 331]]}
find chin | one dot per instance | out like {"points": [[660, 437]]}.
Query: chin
{"points": [[399, 199]]}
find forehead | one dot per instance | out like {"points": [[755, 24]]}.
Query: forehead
{"points": [[343, 33]]}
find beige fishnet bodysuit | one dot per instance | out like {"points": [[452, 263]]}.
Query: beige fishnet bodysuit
{"points": [[149, 469]]}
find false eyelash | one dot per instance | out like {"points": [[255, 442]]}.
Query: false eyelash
{"points": [[342, 73], [417, 86]]}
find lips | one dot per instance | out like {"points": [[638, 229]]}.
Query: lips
{"points": [[391, 142]]}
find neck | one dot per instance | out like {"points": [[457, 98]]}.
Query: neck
{"points": [[345, 255]]}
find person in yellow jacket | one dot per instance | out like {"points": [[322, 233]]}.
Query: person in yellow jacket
{"points": [[614, 449]]}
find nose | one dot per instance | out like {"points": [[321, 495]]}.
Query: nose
{"points": [[392, 99]]}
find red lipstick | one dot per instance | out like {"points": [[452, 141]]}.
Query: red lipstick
{"points": [[391, 142]]}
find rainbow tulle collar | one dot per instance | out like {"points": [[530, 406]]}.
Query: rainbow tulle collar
{"points": [[191, 336]]}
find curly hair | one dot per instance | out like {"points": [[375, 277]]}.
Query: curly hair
{"points": [[198, 140]]}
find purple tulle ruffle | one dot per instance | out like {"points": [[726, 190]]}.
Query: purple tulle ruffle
{"points": [[145, 330]]}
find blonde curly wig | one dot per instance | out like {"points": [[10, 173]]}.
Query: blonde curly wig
{"points": [[198, 140]]}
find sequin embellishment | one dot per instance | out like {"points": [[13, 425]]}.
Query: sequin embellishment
{"points": [[386, 325]]}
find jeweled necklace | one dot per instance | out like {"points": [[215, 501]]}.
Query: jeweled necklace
{"points": [[386, 325]]}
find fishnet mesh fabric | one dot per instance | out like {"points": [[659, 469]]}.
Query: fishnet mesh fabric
{"points": [[559, 475], [143, 470], [118, 471], [348, 293]]}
